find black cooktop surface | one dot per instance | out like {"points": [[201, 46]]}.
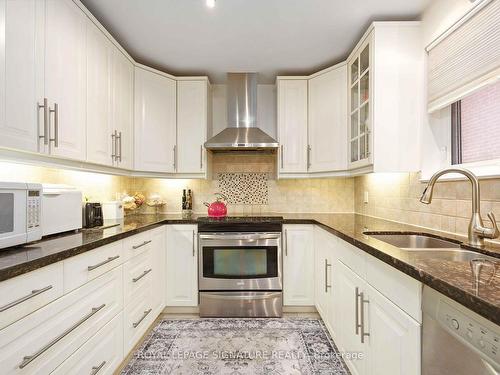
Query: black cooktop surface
{"points": [[240, 224]]}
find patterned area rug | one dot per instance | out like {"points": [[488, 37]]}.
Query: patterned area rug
{"points": [[238, 346]]}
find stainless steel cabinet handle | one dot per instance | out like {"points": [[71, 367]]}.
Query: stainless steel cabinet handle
{"points": [[146, 313], [285, 242], [356, 296], [326, 275], [362, 317], [194, 250], [281, 155], [113, 146], [45, 107], [33, 293], [119, 140], [110, 259], [175, 157], [136, 279], [201, 157], [308, 156], [96, 369], [141, 245], [367, 142], [30, 358], [55, 111]]}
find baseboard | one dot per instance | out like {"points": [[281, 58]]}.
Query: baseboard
{"points": [[181, 310], [299, 309]]}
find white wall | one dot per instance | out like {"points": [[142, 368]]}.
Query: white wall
{"points": [[266, 109]]}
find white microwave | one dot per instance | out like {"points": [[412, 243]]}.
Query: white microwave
{"points": [[20, 213]]}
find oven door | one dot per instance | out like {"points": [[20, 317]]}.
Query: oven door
{"points": [[13, 210], [240, 261]]}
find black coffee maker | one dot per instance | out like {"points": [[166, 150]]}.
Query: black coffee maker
{"points": [[92, 215]]}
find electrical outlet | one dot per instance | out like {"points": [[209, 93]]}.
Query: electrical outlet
{"points": [[365, 199]]}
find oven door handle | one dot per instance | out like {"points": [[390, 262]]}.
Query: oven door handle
{"points": [[235, 236], [237, 296]]}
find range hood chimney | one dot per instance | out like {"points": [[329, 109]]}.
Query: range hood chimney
{"points": [[242, 132]]}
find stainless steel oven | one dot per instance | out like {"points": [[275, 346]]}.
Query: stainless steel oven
{"points": [[240, 274]]}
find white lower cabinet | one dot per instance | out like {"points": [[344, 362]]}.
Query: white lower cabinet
{"points": [[137, 317], [394, 341], [298, 265], [387, 338], [182, 265], [323, 271], [102, 354], [26, 293], [40, 342]]}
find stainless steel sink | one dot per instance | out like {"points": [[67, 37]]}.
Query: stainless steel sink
{"points": [[426, 247], [415, 241]]}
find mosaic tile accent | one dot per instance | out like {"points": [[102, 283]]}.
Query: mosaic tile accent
{"points": [[244, 188]]}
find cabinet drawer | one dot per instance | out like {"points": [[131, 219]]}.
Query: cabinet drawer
{"points": [[403, 290], [102, 354], [24, 294], [43, 340], [137, 317], [137, 274], [137, 244], [87, 266]]}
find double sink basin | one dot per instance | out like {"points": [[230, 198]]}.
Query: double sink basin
{"points": [[430, 247]]}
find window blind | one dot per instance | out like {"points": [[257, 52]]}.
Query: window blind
{"points": [[466, 59]]}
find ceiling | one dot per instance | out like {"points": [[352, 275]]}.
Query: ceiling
{"points": [[271, 37]]}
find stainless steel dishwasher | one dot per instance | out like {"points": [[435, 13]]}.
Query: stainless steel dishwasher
{"points": [[455, 340]]}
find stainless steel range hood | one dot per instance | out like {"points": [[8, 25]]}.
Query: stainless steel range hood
{"points": [[242, 132]]}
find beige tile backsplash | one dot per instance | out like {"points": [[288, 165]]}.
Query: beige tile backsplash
{"points": [[396, 197], [390, 196]]}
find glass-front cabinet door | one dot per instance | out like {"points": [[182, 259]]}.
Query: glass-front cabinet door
{"points": [[360, 103]]}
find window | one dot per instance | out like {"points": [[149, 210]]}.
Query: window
{"points": [[476, 126]]}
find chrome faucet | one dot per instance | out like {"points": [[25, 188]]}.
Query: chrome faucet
{"points": [[477, 231]]}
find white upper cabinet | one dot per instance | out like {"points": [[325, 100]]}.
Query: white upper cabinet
{"points": [[21, 84], [65, 77], [122, 99], [298, 265], [99, 54], [192, 125], [328, 120], [385, 87], [155, 121], [292, 125]]}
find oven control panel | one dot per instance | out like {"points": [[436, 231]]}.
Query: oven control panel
{"points": [[481, 336]]}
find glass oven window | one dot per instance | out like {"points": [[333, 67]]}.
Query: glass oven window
{"points": [[6, 213], [234, 262], [240, 263]]}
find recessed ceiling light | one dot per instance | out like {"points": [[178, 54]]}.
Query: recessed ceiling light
{"points": [[210, 3]]}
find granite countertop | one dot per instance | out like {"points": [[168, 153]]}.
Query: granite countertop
{"points": [[452, 278]]}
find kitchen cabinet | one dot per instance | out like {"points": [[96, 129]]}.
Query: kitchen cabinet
{"points": [[192, 125], [292, 125], [65, 79], [387, 337], [347, 286], [99, 55], [21, 82], [158, 248], [182, 265], [122, 99], [155, 121], [298, 265], [394, 341], [328, 120], [386, 68], [323, 270]]}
